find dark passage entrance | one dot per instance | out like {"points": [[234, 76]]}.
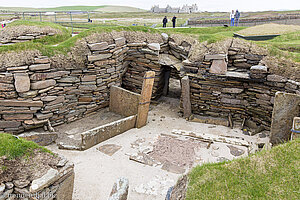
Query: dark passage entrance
{"points": [[172, 86]]}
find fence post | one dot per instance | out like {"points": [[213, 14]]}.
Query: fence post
{"points": [[40, 16], [23, 16], [71, 21]]}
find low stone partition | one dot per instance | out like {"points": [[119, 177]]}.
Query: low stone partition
{"points": [[56, 183], [95, 136]]}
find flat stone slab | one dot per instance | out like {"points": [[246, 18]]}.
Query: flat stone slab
{"points": [[42, 84], [154, 46], [210, 120], [120, 190], [39, 67], [18, 103], [166, 59], [173, 168], [44, 181], [215, 57], [235, 151], [102, 133], [286, 107], [22, 82], [123, 102], [109, 149], [98, 46], [259, 69], [42, 139], [93, 58], [239, 75], [218, 67], [120, 41]]}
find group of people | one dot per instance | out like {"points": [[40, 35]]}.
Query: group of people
{"points": [[165, 21], [234, 18]]}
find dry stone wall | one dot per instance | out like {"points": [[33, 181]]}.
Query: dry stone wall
{"points": [[17, 34], [239, 86], [57, 183], [227, 78]]}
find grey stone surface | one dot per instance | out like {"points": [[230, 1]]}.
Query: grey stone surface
{"points": [[98, 46], [286, 107], [123, 102], [215, 57], [154, 46], [44, 181], [218, 67], [109, 149], [93, 58], [42, 84], [276, 78], [22, 82], [120, 41], [2, 188], [42, 139], [102, 133], [232, 90], [120, 189], [165, 37], [259, 69], [39, 67]]}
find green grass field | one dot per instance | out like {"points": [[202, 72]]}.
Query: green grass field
{"points": [[103, 8], [286, 45], [270, 174]]}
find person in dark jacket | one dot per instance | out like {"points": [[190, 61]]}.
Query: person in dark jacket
{"points": [[174, 21], [165, 21], [237, 17]]}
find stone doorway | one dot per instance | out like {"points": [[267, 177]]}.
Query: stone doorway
{"points": [[172, 84]]}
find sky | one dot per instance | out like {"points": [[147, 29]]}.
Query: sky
{"points": [[203, 5]]}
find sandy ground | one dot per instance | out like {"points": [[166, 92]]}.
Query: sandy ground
{"points": [[96, 172]]}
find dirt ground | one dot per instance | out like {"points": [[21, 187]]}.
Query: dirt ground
{"points": [[97, 170], [27, 169]]}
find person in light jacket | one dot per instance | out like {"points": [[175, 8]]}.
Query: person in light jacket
{"points": [[232, 18]]}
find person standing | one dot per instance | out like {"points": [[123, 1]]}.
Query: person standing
{"points": [[174, 21], [165, 21], [237, 17], [232, 18]]}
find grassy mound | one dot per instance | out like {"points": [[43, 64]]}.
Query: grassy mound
{"points": [[46, 47], [269, 29], [12, 147], [270, 174]]}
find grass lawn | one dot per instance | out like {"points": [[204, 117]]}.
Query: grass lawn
{"points": [[270, 174], [12, 147], [209, 34], [287, 45]]}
